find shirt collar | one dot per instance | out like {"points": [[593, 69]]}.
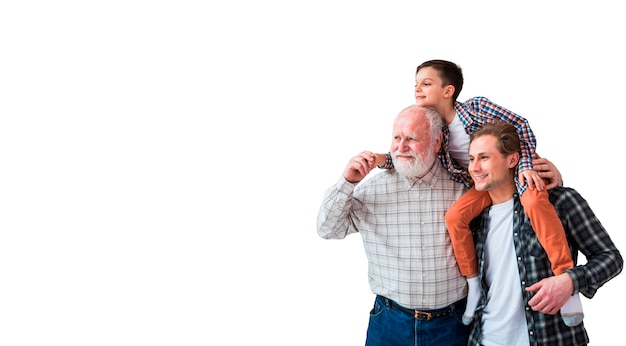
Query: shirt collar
{"points": [[430, 179]]}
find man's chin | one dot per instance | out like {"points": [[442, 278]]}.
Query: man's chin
{"points": [[480, 187]]}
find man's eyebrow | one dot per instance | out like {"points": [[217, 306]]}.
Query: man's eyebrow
{"points": [[482, 153]]}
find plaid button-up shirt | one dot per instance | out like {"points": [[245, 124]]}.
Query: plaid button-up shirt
{"points": [[402, 225]]}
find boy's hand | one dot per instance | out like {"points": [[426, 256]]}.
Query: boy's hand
{"points": [[548, 171], [533, 179], [381, 159]]}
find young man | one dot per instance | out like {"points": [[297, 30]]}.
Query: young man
{"points": [[520, 296], [400, 215]]}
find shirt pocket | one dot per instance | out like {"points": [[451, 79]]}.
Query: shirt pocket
{"points": [[534, 247]]}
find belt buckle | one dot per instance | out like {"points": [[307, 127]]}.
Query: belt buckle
{"points": [[419, 315]]}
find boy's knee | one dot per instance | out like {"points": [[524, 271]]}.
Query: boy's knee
{"points": [[532, 199], [455, 219]]}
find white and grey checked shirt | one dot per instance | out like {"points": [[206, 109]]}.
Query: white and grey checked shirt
{"points": [[402, 224]]}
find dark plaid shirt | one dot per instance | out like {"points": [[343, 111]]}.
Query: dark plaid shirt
{"points": [[584, 232]]}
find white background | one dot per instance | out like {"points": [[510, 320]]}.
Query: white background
{"points": [[163, 162]]}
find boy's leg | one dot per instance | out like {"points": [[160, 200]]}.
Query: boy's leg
{"points": [[551, 235], [458, 218], [548, 228]]}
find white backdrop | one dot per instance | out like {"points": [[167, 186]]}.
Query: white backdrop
{"points": [[163, 162]]}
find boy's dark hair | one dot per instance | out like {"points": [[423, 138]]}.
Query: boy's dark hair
{"points": [[449, 72], [506, 133]]}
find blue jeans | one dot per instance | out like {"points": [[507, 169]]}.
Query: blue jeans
{"points": [[388, 327]]}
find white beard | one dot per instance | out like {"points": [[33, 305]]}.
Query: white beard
{"points": [[416, 169]]}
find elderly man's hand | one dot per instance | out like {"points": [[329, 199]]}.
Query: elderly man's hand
{"points": [[359, 166]]}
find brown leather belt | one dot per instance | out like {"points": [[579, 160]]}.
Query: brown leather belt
{"points": [[426, 315]]}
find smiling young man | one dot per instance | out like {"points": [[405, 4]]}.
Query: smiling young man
{"points": [[521, 297]]}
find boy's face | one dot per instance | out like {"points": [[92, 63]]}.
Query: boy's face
{"points": [[429, 88]]}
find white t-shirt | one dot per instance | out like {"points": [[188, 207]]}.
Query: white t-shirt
{"points": [[503, 320], [459, 142]]}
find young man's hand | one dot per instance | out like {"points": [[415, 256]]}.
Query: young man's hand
{"points": [[548, 171]]}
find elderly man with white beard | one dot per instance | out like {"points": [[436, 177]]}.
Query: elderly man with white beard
{"points": [[400, 215]]}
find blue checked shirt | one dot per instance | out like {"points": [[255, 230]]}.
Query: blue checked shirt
{"points": [[584, 233], [402, 225], [474, 113]]}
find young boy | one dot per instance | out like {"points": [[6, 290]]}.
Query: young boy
{"points": [[438, 83]]}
